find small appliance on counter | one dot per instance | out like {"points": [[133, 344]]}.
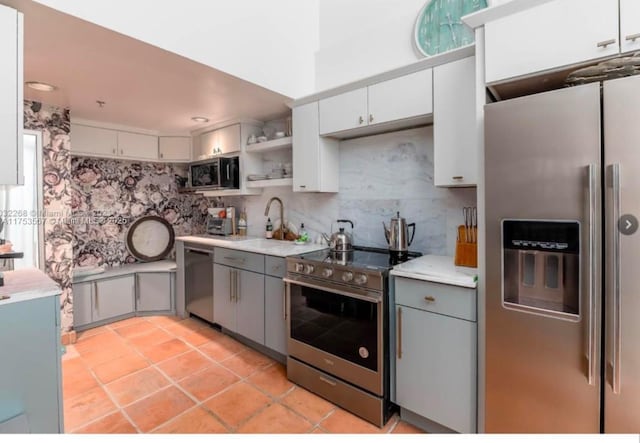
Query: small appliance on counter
{"points": [[221, 221], [397, 236]]}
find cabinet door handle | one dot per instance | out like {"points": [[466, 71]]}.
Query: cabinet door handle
{"points": [[136, 288], [605, 43], [231, 285], [238, 288], [632, 37], [458, 177], [360, 120], [399, 331], [370, 118], [429, 299], [161, 155], [95, 295]]}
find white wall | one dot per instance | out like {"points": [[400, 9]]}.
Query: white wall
{"points": [[270, 43], [360, 38]]}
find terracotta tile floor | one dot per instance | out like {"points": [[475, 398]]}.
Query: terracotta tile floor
{"points": [[168, 375]]}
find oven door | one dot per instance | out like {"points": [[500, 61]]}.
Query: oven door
{"points": [[338, 330]]}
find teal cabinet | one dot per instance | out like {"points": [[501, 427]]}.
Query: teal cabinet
{"points": [[30, 372], [436, 352]]}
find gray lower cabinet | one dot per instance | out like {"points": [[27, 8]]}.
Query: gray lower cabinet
{"points": [[250, 306], [114, 297], [238, 300], [275, 322], [82, 303], [101, 300], [224, 305], [154, 292], [30, 372], [436, 352]]}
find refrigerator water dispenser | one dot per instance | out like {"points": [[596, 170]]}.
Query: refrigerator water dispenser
{"points": [[541, 265]]}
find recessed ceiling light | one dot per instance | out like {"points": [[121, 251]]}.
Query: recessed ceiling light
{"points": [[200, 119], [39, 86]]}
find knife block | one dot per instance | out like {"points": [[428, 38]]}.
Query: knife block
{"points": [[466, 252]]}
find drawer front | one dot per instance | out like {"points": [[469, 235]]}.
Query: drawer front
{"points": [[454, 301], [239, 259], [275, 266]]}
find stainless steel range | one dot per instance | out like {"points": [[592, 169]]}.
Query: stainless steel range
{"points": [[337, 305]]}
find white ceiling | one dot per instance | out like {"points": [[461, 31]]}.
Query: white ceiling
{"points": [[143, 86]]}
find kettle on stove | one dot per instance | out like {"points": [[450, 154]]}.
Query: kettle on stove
{"points": [[397, 236]]}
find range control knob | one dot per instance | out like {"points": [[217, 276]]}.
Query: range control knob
{"points": [[308, 269], [299, 267], [347, 276], [327, 272], [361, 279]]}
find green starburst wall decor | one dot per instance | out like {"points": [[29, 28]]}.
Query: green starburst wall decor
{"points": [[439, 28]]}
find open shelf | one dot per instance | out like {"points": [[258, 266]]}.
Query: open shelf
{"points": [[270, 183], [271, 145]]}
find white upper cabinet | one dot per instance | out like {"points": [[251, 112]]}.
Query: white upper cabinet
{"points": [[219, 141], [139, 146], [402, 97], [174, 148], [629, 25], [93, 141], [454, 124], [343, 111], [315, 159], [555, 34], [11, 98], [362, 111]]}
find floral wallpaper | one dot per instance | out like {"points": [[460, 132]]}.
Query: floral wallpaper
{"points": [[54, 123], [107, 196]]}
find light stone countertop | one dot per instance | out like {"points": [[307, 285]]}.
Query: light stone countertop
{"points": [[27, 284], [116, 271], [258, 245], [437, 269]]}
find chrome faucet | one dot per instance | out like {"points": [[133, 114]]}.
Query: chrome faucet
{"points": [[266, 213]]}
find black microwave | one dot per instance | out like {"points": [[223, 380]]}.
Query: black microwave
{"points": [[215, 173]]}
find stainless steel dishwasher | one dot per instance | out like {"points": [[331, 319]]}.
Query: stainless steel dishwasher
{"points": [[198, 272]]}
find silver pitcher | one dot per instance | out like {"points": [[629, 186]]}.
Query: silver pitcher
{"points": [[397, 235]]}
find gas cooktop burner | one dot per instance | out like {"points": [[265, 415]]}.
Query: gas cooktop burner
{"points": [[361, 257]]}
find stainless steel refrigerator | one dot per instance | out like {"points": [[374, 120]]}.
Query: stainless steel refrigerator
{"points": [[562, 172]]}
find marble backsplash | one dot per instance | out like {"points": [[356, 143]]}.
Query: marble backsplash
{"points": [[379, 175]]}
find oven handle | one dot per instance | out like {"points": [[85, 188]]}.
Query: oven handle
{"points": [[335, 291]]}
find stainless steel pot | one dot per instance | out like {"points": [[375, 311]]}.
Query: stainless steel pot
{"points": [[340, 241], [397, 234]]}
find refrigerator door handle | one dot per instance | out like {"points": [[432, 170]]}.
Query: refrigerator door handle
{"points": [[617, 330], [592, 333]]}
